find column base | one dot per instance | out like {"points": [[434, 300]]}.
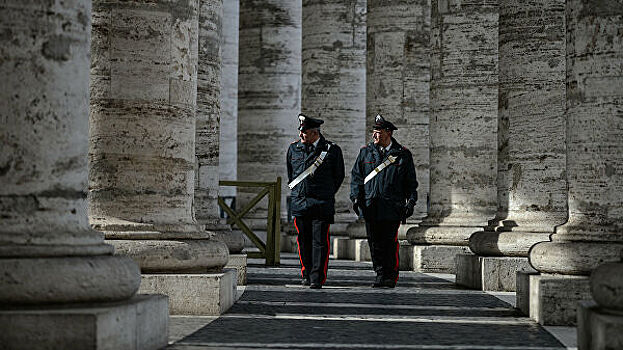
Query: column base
{"points": [[551, 300], [343, 248], [357, 229], [362, 250], [239, 263], [490, 273], [139, 323], [598, 329], [430, 258], [287, 244], [202, 294]]}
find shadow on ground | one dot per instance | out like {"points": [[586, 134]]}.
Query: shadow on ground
{"points": [[423, 312]]}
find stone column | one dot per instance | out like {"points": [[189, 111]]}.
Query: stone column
{"points": [[594, 232], [463, 131], [208, 133], [56, 274], [600, 322], [398, 85], [532, 186], [269, 95], [228, 127], [334, 82], [142, 150]]}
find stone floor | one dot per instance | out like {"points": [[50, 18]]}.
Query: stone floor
{"points": [[425, 311]]}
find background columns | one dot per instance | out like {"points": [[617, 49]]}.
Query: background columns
{"points": [[463, 131], [142, 150], [53, 267], [532, 186], [594, 232]]}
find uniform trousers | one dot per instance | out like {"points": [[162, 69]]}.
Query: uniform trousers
{"points": [[384, 246], [313, 242]]}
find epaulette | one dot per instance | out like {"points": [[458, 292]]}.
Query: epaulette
{"points": [[364, 146], [295, 141]]}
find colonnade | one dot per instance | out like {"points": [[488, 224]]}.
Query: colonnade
{"points": [[511, 110]]}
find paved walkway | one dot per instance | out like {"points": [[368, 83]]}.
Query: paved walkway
{"points": [[424, 311]]}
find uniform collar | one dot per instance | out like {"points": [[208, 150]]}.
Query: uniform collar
{"points": [[320, 142], [392, 147]]}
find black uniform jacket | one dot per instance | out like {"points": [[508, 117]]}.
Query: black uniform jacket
{"points": [[386, 194], [318, 189]]}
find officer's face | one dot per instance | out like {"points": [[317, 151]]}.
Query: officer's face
{"points": [[381, 137], [308, 136]]}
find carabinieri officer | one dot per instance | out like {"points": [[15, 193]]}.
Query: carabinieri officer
{"points": [[315, 173], [384, 188]]}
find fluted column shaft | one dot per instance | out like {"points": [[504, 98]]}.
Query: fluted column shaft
{"points": [[531, 180], [142, 150], [334, 76], [594, 231], [398, 79], [48, 253], [269, 95], [463, 123]]}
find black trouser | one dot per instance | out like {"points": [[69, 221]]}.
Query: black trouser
{"points": [[383, 241], [313, 241]]}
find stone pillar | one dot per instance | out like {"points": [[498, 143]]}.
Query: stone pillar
{"points": [[334, 82], [463, 131], [398, 84], [228, 142], [142, 150], [269, 95], [532, 186], [398, 80], [56, 274], [209, 83], [593, 233], [600, 322]]}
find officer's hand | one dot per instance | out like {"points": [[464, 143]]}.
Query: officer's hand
{"points": [[356, 207], [408, 211]]}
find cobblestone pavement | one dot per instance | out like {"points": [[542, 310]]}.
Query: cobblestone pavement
{"points": [[422, 312]]}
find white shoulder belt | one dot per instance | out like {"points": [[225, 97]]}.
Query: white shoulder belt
{"points": [[378, 169], [312, 168]]}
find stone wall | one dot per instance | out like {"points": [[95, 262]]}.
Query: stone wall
{"points": [[269, 95], [142, 114], [464, 107], [398, 79], [532, 184], [208, 112], [334, 76], [228, 150]]}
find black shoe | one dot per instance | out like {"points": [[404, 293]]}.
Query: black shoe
{"points": [[377, 282], [315, 286], [388, 284], [305, 282]]}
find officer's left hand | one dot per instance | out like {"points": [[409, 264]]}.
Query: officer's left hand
{"points": [[408, 210]]}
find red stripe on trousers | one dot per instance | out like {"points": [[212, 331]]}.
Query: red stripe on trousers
{"points": [[299, 248], [326, 263]]}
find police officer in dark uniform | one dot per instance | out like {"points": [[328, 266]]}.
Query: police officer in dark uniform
{"points": [[384, 189], [315, 173]]}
